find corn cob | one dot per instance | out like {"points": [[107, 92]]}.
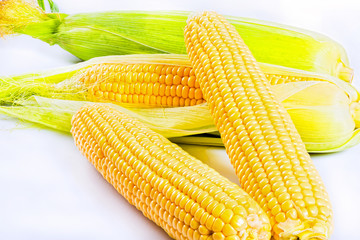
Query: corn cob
{"points": [[184, 196], [91, 35], [145, 80], [157, 84], [324, 114], [152, 84], [262, 142]]}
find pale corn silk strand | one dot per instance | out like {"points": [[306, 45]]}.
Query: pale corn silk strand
{"points": [[151, 84], [264, 147], [184, 196], [15, 14]]}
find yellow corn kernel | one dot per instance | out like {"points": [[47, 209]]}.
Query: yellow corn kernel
{"points": [[178, 192], [260, 138]]}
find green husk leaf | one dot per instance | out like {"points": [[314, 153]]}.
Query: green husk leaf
{"points": [[41, 4], [26, 17], [170, 122], [209, 140], [352, 141], [201, 139], [51, 117], [43, 83], [162, 32], [53, 7]]}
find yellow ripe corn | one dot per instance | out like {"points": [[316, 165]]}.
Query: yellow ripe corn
{"points": [[184, 196], [159, 82], [152, 84], [262, 142]]}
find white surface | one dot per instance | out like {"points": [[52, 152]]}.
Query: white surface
{"points": [[50, 191]]}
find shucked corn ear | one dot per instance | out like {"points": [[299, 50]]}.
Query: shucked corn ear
{"points": [[184, 196], [91, 35], [316, 113], [263, 145]]}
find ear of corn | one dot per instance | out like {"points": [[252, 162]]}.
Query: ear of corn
{"points": [[184, 196], [322, 130], [325, 130], [169, 81], [91, 35], [263, 145], [145, 80]]}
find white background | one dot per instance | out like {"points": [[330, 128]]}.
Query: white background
{"points": [[50, 191]]}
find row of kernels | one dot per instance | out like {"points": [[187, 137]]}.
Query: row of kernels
{"points": [[170, 75], [156, 89], [148, 100]]}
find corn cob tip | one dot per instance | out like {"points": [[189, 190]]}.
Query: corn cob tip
{"points": [[303, 230], [17, 14], [199, 14], [196, 16]]}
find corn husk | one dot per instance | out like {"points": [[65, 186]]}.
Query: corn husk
{"points": [[170, 122], [89, 35], [325, 123]]}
